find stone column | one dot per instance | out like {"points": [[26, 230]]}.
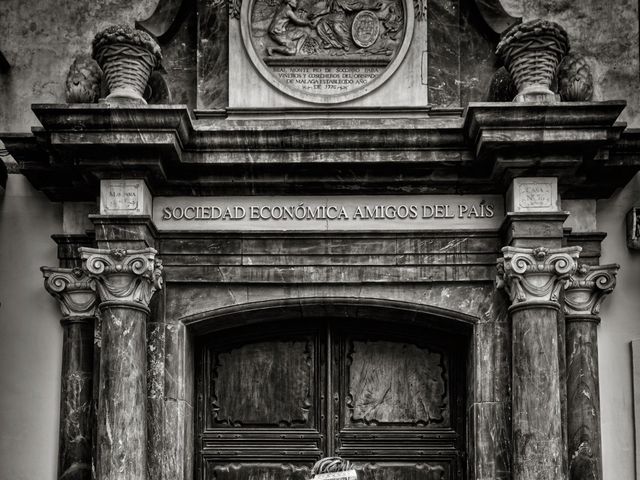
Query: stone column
{"points": [[126, 280], [584, 294], [533, 278], [75, 292]]}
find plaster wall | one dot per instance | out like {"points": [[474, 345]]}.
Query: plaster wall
{"points": [[619, 326], [607, 34], [40, 38], [31, 336]]}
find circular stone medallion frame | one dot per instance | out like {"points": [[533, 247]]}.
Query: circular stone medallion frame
{"points": [[270, 76]]}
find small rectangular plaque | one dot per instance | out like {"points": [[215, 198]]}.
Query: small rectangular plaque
{"points": [[346, 475], [534, 194], [124, 197], [329, 213]]}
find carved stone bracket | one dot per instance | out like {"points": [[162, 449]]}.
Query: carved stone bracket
{"points": [[130, 276], [74, 290], [588, 287], [536, 274]]}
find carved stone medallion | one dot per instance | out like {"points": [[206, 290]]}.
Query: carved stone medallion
{"points": [[326, 51]]}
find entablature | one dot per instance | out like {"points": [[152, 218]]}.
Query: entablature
{"points": [[364, 151]]}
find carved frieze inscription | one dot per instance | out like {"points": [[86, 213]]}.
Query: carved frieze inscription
{"points": [[316, 213], [265, 383], [396, 383], [326, 51]]}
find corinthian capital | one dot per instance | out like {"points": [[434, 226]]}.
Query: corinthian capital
{"points": [[123, 275], [588, 287], [74, 290], [536, 274]]}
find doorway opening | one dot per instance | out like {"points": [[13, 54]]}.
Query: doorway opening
{"points": [[273, 398]]}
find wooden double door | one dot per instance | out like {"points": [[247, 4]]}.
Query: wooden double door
{"points": [[274, 398]]}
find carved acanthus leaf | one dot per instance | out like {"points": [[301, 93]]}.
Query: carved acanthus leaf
{"points": [[74, 290], [536, 274], [123, 275], [588, 287]]}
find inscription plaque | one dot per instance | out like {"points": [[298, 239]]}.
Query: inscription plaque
{"points": [[331, 213], [326, 51], [124, 197], [537, 194]]}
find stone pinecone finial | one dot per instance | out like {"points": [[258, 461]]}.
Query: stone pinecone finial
{"points": [[83, 80]]}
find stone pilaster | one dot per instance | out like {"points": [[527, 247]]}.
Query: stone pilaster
{"points": [[125, 280], [584, 294], [75, 292], [534, 278]]}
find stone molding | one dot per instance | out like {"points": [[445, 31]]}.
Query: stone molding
{"points": [[535, 274], [74, 290], [123, 276], [587, 289]]}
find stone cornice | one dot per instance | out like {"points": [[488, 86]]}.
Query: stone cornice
{"points": [[535, 274], [123, 276], [366, 150], [74, 290], [587, 288]]}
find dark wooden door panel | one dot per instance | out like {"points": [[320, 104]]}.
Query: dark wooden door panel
{"points": [[264, 384], [404, 471], [257, 471], [392, 383], [274, 399]]}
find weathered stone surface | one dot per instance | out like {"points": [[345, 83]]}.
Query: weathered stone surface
{"points": [[122, 431], [76, 407], [537, 432], [607, 34], [489, 392], [213, 54], [490, 435], [41, 39], [583, 396], [584, 295]]}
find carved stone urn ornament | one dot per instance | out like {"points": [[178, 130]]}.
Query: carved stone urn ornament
{"points": [[326, 51], [127, 56], [531, 53]]}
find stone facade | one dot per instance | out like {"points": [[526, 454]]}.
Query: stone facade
{"points": [[313, 236]]}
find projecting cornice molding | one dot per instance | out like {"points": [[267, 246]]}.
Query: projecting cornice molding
{"points": [[587, 289], [74, 290], [535, 274], [329, 150], [123, 276]]}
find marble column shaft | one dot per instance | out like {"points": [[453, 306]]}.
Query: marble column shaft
{"points": [[125, 281], [584, 294], [75, 292], [533, 278]]}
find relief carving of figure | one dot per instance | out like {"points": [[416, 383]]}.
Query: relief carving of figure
{"points": [[279, 32], [310, 27]]}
